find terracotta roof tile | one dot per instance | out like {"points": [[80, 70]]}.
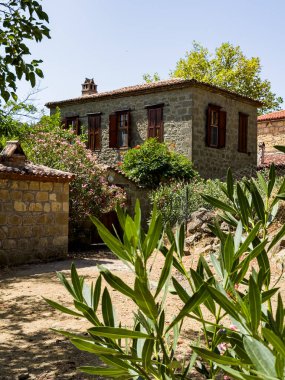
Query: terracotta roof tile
{"points": [[154, 86], [277, 158], [32, 171], [272, 116]]}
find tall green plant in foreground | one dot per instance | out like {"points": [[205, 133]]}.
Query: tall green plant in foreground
{"points": [[242, 336]]}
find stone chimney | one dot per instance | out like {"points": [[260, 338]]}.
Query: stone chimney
{"points": [[89, 87], [13, 155]]}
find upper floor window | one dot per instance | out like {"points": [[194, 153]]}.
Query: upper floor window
{"points": [[242, 132], [119, 129], [216, 127], [155, 122], [72, 122], [94, 132]]}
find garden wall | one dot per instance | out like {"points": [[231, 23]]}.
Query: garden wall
{"points": [[34, 207]]}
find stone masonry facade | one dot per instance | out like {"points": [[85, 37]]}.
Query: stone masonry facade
{"points": [[271, 133], [34, 210], [33, 221], [184, 121]]}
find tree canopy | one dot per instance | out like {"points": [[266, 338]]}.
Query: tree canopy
{"points": [[228, 68], [20, 22]]}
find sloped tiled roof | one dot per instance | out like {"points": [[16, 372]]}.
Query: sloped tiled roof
{"points": [[273, 158], [13, 164], [174, 83], [272, 116], [31, 171]]}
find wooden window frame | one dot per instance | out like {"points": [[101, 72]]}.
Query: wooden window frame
{"points": [[216, 120], [94, 132], [243, 132], [74, 123], [119, 122], [155, 122]]}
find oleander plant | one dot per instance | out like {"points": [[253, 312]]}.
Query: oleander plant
{"points": [[243, 336]]}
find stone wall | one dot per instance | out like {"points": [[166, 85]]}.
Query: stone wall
{"points": [[271, 133], [33, 220], [212, 162], [184, 119], [177, 123]]}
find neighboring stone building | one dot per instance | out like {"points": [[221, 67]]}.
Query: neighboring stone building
{"points": [[270, 132], [34, 207], [214, 128]]}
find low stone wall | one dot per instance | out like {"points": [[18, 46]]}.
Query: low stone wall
{"points": [[271, 133], [33, 220]]}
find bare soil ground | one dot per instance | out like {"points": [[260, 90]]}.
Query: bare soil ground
{"points": [[29, 349]]}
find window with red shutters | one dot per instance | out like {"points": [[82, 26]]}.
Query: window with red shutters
{"points": [[242, 132], [155, 122], [119, 129], [72, 122], [94, 132], [216, 127]]}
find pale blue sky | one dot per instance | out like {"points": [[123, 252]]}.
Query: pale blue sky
{"points": [[116, 42]]}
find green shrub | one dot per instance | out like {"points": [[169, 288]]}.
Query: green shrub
{"points": [[243, 336], [152, 162], [176, 201]]}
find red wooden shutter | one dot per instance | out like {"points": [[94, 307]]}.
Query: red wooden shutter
{"points": [[77, 126], [159, 124], [97, 132], [222, 129], [208, 126], [129, 128], [113, 131], [91, 133], [151, 122]]}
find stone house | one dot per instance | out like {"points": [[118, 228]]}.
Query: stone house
{"points": [[214, 128], [34, 209], [270, 132]]}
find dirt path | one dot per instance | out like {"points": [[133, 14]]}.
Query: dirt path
{"points": [[28, 348]]}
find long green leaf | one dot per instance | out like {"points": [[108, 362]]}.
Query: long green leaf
{"points": [[277, 237], [260, 355], [243, 205], [117, 333], [145, 300], [101, 371], [165, 270], [116, 282], [66, 284], [199, 297], [243, 376], [61, 308], [214, 357], [273, 339], [147, 352], [107, 309], [76, 283], [224, 302], [93, 348], [254, 299], [219, 204], [111, 241], [96, 294], [257, 202]]}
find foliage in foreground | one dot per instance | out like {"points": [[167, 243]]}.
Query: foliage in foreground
{"points": [[20, 22], [153, 162], [50, 145], [236, 286]]}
